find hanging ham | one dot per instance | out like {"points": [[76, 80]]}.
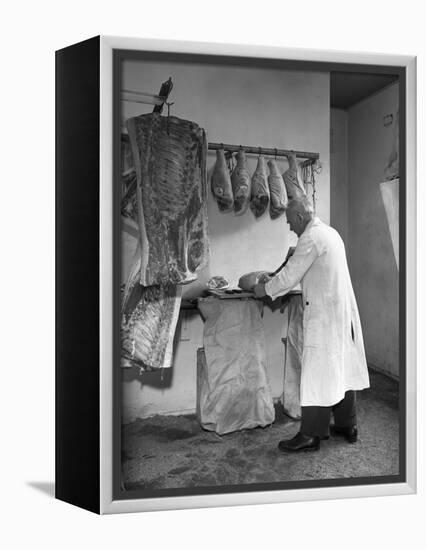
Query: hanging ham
{"points": [[241, 184], [221, 183], [259, 189], [294, 188], [277, 190]]}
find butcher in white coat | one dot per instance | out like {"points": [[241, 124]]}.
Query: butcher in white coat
{"points": [[333, 360]]}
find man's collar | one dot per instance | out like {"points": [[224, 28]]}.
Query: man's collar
{"points": [[314, 220]]}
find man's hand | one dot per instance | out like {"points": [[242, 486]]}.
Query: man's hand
{"points": [[259, 290], [264, 278]]}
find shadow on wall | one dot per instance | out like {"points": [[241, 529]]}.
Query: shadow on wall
{"points": [[161, 378]]}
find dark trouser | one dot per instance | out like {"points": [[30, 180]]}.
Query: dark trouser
{"points": [[316, 420]]}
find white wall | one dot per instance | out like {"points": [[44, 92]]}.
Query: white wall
{"points": [[371, 258], [339, 193], [249, 106]]}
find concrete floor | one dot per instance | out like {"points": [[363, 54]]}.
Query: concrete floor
{"points": [[174, 451]]}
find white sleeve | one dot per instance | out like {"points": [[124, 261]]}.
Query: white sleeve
{"points": [[302, 259]]}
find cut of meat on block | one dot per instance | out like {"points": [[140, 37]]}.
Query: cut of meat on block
{"points": [[170, 160], [217, 282], [148, 324], [294, 188], [249, 280]]}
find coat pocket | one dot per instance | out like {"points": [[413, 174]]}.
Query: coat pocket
{"points": [[311, 333]]}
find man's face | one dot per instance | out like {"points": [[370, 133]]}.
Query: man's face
{"points": [[295, 221]]}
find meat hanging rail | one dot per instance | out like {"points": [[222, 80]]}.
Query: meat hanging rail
{"points": [[264, 151], [309, 156]]}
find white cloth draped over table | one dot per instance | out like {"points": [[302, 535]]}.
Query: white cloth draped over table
{"points": [[232, 385], [333, 359]]}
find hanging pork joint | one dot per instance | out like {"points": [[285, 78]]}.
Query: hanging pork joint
{"points": [[259, 189], [241, 184], [170, 161], [277, 191], [221, 183], [294, 188]]}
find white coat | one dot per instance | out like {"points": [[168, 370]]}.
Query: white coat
{"points": [[333, 359]]}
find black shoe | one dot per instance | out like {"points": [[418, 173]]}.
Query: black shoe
{"points": [[349, 433], [300, 442]]}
